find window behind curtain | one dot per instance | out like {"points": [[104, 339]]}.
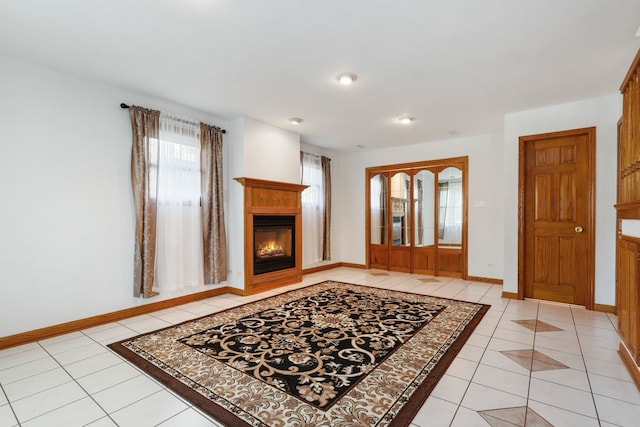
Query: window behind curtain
{"points": [[179, 220], [450, 215], [312, 209]]}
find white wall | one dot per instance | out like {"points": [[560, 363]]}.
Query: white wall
{"points": [[261, 151], [235, 204], [66, 215], [271, 153], [601, 112], [66, 212], [485, 185]]}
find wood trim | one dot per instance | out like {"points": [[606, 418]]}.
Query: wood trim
{"points": [[590, 132], [77, 325], [318, 268], [632, 70], [522, 161], [367, 217], [332, 266], [605, 308], [485, 280], [629, 210], [236, 291], [628, 238], [465, 218], [351, 265], [510, 295], [271, 185], [591, 280], [403, 167], [631, 366]]}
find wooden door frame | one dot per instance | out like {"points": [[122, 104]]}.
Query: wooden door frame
{"points": [[590, 132], [439, 164]]}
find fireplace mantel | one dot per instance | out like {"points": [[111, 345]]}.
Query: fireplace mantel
{"points": [[262, 197]]}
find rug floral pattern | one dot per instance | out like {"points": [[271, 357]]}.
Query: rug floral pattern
{"points": [[318, 346], [331, 354]]}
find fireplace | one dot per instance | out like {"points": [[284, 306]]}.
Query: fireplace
{"points": [[272, 234], [274, 243]]}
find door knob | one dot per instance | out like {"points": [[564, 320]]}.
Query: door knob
{"points": [[579, 229]]}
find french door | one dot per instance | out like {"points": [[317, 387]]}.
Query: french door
{"points": [[417, 217]]}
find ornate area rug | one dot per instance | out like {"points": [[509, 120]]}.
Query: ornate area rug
{"points": [[331, 354]]}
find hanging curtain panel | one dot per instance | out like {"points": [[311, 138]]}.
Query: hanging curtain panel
{"points": [[213, 223], [326, 213], [145, 129]]}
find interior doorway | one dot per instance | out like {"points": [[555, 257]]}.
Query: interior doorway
{"points": [[556, 255], [417, 217]]}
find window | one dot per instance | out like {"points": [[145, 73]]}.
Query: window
{"points": [[176, 155], [312, 209]]}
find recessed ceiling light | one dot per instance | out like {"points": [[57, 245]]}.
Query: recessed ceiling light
{"points": [[406, 120], [346, 79], [295, 120]]}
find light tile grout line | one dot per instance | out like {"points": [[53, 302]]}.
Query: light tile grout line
{"points": [[484, 350], [531, 368], [50, 388], [533, 349], [593, 399], [15, 416], [530, 372], [478, 365]]}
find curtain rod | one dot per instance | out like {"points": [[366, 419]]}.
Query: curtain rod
{"points": [[125, 106]]}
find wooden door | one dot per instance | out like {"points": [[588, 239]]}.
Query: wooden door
{"points": [[424, 220], [558, 251], [400, 222], [377, 218]]}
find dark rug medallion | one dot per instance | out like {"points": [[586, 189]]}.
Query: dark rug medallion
{"points": [[331, 354]]}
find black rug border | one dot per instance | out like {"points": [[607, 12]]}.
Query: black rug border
{"points": [[402, 419]]}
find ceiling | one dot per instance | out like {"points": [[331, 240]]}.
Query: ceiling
{"points": [[457, 66]]}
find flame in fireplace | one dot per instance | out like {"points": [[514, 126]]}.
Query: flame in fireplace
{"points": [[269, 249]]}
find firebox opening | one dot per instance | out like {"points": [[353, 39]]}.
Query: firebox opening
{"points": [[274, 243]]}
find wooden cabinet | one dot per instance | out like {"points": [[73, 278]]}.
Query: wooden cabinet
{"points": [[628, 303], [628, 209], [628, 292]]}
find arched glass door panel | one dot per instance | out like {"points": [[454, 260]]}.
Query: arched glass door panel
{"points": [[400, 212], [450, 207], [379, 187], [424, 208]]}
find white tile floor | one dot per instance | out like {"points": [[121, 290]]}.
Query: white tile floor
{"points": [[74, 380]]}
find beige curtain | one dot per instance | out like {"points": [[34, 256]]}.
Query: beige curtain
{"points": [[326, 214], [215, 239], [145, 125]]}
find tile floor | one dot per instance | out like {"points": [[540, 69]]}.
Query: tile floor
{"points": [[528, 362]]}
